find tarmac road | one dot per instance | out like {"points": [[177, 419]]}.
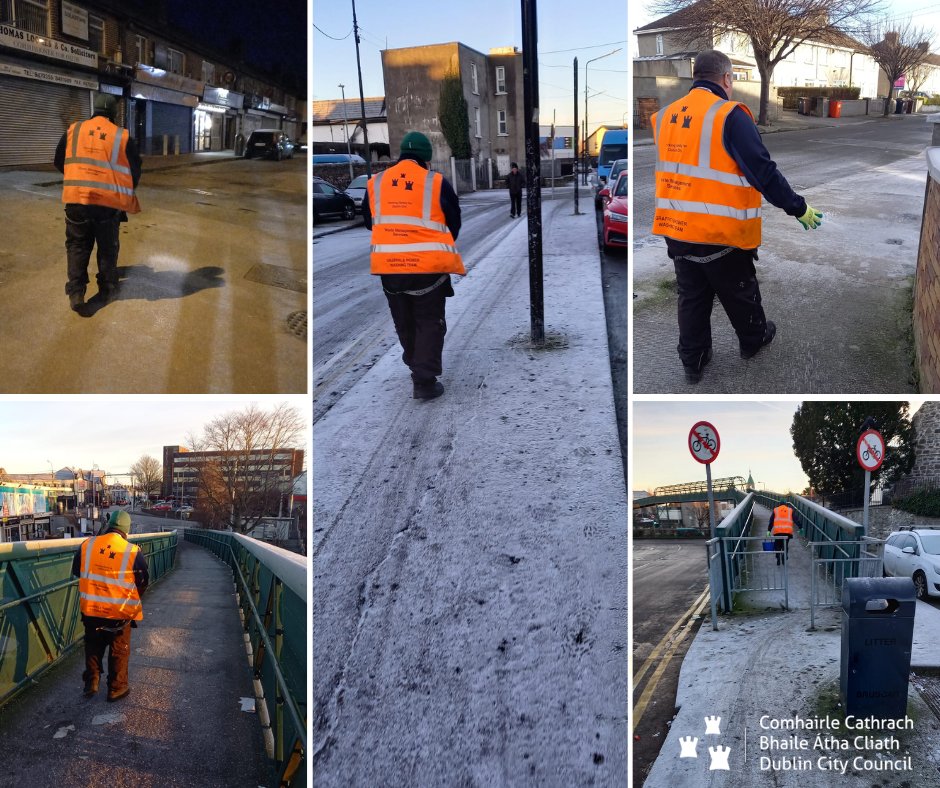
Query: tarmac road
{"points": [[212, 270]]}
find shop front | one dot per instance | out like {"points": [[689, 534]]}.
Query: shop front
{"points": [[162, 111]]}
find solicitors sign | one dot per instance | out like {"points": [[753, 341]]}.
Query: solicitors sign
{"points": [[74, 80], [74, 21], [24, 41]]}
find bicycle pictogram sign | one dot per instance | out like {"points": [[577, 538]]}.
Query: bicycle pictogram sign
{"points": [[704, 443], [870, 450]]}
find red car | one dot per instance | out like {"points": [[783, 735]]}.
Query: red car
{"points": [[615, 215], [162, 507]]}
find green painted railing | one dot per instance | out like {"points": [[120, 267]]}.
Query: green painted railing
{"points": [[272, 593], [39, 613]]}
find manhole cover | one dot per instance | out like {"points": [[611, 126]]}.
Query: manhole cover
{"points": [[297, 323], [277, 276]]}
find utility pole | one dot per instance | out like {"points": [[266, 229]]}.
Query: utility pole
{"points": [[362, 100], [577, 165], [342, 89], [530, 78], [599, 57]]}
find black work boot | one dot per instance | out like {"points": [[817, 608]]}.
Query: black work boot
{"points": [[114, 695], [693, 374], [77, 300], [91, 687], [427, 389], [769, 333], [107, 293]]}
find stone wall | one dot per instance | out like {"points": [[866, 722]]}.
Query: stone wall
{"points": [[926, 444], [927, 283], [883, 520]]}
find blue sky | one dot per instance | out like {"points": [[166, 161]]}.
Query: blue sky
{"points": [[755, 437], [109, 432], [481, 24]]}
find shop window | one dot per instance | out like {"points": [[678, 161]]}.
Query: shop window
{"points": [[500, 79], [96, 34], [174, 61], [30, 15]]}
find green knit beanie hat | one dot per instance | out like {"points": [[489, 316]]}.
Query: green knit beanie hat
{"points": [[120, 521], [416, 143]]}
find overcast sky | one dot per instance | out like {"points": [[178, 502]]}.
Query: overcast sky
{"points": [[110, 432], [588, 31], [755, 439]]}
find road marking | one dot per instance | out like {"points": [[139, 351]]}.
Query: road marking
{"points": [[638, 676], [640, 708]]}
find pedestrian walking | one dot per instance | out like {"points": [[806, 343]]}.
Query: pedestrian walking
{"points": [[712, 169], [102, 169], [515, 181], [112, 576], [780, 527], [414, 215]]}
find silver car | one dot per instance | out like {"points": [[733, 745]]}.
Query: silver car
{"points": [[357, 190], [915, 553]]}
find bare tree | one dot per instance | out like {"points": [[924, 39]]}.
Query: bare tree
{"points": [[774, 28], [245, 477], [149, 474], [899, 48], [916, 78]]}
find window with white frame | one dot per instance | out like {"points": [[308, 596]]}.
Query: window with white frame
{"points": [[208, 72], [96, 34], [29, 15], [174, 61], [501, 79], [143, 49], [823, 56], [809, 55], [476, 121], [659, 43], [473, 78], [501, 127]]}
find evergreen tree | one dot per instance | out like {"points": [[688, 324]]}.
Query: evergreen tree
{"points": [[452, 113]]}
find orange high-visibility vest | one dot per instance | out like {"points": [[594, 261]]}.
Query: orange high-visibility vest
{"points": [[702, 195], [409, 230], [783, 521], [97, 171], [106, 584]]}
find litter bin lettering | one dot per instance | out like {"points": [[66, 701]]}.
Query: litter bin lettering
{"points": [[877, 633]]}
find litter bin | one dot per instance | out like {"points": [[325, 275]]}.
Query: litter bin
{"points": [[877, 632], [898, 106], [802, 107], [908, 106], [822, 107], [835, 108]]}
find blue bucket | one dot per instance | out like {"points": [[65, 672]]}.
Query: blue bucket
{"points": [[768, 545]]}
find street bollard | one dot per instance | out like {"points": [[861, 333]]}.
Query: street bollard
{"points": [[877, 634], [473, 173], [453, 172], [176, 145], [166, 144], [489, 172]]}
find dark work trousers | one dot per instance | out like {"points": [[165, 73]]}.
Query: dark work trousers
{"points": [[86, 226], [733, 279], [419, 321], [782, 547], [515, 203], [119, 651]]}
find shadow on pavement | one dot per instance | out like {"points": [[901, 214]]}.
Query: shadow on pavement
{"points": [[144, 283]]}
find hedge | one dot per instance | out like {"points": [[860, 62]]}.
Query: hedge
{"points": [[925, 502], [791, 96]]}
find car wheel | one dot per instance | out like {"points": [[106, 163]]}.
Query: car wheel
{"points": [[349, 212], [920, 585]]}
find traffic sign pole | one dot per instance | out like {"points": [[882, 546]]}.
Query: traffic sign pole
{"points": [[870, 453], [711, 502], [867, 495]]}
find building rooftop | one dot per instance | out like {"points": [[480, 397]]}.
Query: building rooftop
{"points": [[331, 110]]}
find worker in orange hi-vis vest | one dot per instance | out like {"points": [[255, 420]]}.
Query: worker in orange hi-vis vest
{"points": [[712, 170], [414, 215], [112, 576], [780, 527], [101, 166]]}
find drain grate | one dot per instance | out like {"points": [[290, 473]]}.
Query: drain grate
{"points": [[927, 683], [297, 323], [278, 276]]}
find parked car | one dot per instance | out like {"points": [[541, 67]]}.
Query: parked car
{"points": [[357, 190], [915, 553], [603, 196], [269, 144], [615, 145], [337, 158], [330, 202], [161, 506], [184, 508], [616, 214]]}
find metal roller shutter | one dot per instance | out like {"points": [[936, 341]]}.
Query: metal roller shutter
{"points": [[33, 117], [173, 119]]}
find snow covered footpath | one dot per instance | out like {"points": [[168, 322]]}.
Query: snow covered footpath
{"points": [[470, 553], [767, 664]]}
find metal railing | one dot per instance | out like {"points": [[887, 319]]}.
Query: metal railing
{"points": [[271, 585], [40, 619], [755, 569], [713, 562], [833, 562]]}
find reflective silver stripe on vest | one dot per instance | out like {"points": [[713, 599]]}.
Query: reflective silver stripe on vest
{"points": [[116, 148], [412, 221], [428, 191], [78, 130], [710, 208], [98, 163], [708, 127], [377, 182], [121, 601], [127, 557], [706, 173], [425, 247], [107, 187], [110, 580], [88, 545]]}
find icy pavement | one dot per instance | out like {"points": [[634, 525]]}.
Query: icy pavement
{"points": [[470, 553], [840, 297]]}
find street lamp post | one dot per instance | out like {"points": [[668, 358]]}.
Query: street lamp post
{"points": [[342, 89], [592, 60]]}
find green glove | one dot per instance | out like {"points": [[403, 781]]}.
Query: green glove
{"points": [[811, 219]]}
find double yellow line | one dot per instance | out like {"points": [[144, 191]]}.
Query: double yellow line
{"points": [[664, 652]]}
